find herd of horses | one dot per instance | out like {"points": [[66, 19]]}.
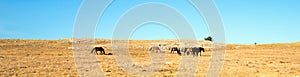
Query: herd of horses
{"points": [[195, 51]]}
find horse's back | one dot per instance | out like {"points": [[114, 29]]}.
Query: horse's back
{"points": [[99, 48]]}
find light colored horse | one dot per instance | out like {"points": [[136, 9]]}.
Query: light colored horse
{"points": [[155, 49]]}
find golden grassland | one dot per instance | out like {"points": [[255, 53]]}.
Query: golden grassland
{"points": [[53, 58]]}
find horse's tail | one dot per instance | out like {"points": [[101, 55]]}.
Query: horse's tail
{"points": [[92, 50], [150, 48]]}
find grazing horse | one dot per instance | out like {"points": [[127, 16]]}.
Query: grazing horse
{"points": [[184, 50], [153, 49], [95, 49], [188, 51], [175, 49], [197, 50]]}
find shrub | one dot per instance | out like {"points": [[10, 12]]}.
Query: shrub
{"points": [[209, 38]]}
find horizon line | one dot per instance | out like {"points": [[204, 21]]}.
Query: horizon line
{"points": [[135, 39]]}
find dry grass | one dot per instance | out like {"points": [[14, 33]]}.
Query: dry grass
{"points": [[52, 58]]}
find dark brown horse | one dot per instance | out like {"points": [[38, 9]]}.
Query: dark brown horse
{"points": [[175, 49], [101, 49]]}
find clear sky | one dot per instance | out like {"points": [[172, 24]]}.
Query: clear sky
{"points": [[245, 21]]}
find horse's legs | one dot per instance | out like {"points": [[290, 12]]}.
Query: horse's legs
{"points": [[178, 52], [200, 53], [95, 51], [99, 53], [102, 52], [194, 53]]}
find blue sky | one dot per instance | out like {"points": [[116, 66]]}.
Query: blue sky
{"points": [[245, 21]]}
